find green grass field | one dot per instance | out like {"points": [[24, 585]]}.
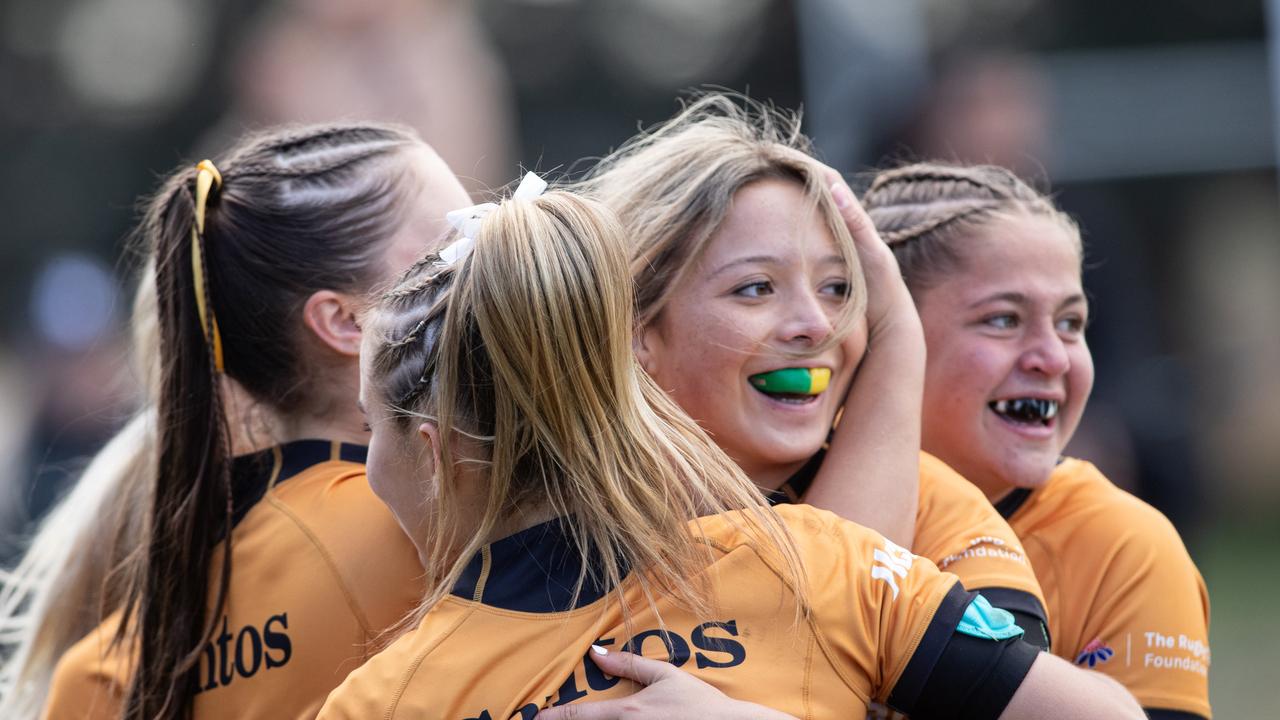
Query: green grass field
{"points": [[1240, 565]]}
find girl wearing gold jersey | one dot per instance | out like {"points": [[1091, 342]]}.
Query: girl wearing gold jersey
{"points": [[250, 592], [995, 270], [560, 500], [748, 275]]}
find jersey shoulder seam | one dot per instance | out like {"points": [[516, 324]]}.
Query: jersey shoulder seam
{"points": [[418, 659], [809, 620], [328, 558]]}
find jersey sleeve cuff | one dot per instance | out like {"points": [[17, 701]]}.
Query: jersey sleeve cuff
{"points": [[943, 625]]}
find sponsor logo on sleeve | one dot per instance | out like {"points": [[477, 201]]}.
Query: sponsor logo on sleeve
{"points": [[985, 546], [891, 563]]}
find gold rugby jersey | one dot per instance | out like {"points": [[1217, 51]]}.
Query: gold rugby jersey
{"points": [[509, 640], [1124, 597], [319, 569], [958, 530]]}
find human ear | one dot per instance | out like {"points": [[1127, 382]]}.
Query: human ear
{"points": [[647, 343], [429, 435], [332, 317]]}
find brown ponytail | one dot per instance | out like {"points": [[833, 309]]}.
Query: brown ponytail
{"points": [[297, 211]]}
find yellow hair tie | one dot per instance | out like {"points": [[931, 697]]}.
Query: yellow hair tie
{"points": [[207, 177]]}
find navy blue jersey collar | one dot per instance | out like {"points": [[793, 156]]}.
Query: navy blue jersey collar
{"points": [[253, 474], [1013, 501], [533, 571], [798, 484]]}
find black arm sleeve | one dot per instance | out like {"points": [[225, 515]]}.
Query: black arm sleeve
{"points": [[1027, 612], [953, 675], [1157, 714]]}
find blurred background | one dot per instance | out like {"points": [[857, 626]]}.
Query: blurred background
{"points": [[1155, 124]]}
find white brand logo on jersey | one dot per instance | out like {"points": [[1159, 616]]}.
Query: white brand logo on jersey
{"points": [[891, 561]]}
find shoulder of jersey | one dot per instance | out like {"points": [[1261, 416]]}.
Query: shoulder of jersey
{"points": [[937, 477], [377, 688], [812, 530], [818, 534], [337, 513], [809, 521], [335, 496], [332, 476], [1078, 490], [91, 677]]}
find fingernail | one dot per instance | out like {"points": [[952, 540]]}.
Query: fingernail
{"points": [[840, 194], [599, 650]]}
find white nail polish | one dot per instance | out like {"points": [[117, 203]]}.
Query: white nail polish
{"points": [[839, 195], [599, 650]]}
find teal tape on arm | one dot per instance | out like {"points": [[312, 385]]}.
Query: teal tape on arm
{"points": [[983, 620]]}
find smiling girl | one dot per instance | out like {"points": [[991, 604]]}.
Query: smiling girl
{"points": [[749, 262], [995, 270], [566, 508]]}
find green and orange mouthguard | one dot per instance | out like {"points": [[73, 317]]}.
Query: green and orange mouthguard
{"points": [[794, 381]]}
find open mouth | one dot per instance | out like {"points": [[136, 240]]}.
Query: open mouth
{"points": [[796, 385], [1026, 411]]}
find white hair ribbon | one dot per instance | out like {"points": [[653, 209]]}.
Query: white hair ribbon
{"points": [[467, 220]]}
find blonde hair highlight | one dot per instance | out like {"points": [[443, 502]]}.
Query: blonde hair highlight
{"points": [[73, 572], [673, 186]]}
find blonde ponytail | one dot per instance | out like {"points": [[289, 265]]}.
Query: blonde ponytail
{"points": [[524, 348]]}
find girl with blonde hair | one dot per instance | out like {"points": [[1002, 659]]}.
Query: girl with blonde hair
{"points": [[749, 258], [64, 584], [566, 508]]}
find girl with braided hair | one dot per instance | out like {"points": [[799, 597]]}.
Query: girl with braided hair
{"points": [[995, 271], [566, 509], [261, 578]]}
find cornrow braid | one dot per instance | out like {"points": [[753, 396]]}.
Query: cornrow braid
{"points": [[912, 177], [933, 224], [405, 290], [924, 211], [301, 170], [296, 139], [413, 311], [415, 270]]}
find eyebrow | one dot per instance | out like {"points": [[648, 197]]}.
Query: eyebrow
{"points": [[769, 260], [1018, 298], [360, 407]]}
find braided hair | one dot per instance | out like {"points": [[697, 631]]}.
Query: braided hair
{"points": [[924, 211], [524, 348], [295, 211]]}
